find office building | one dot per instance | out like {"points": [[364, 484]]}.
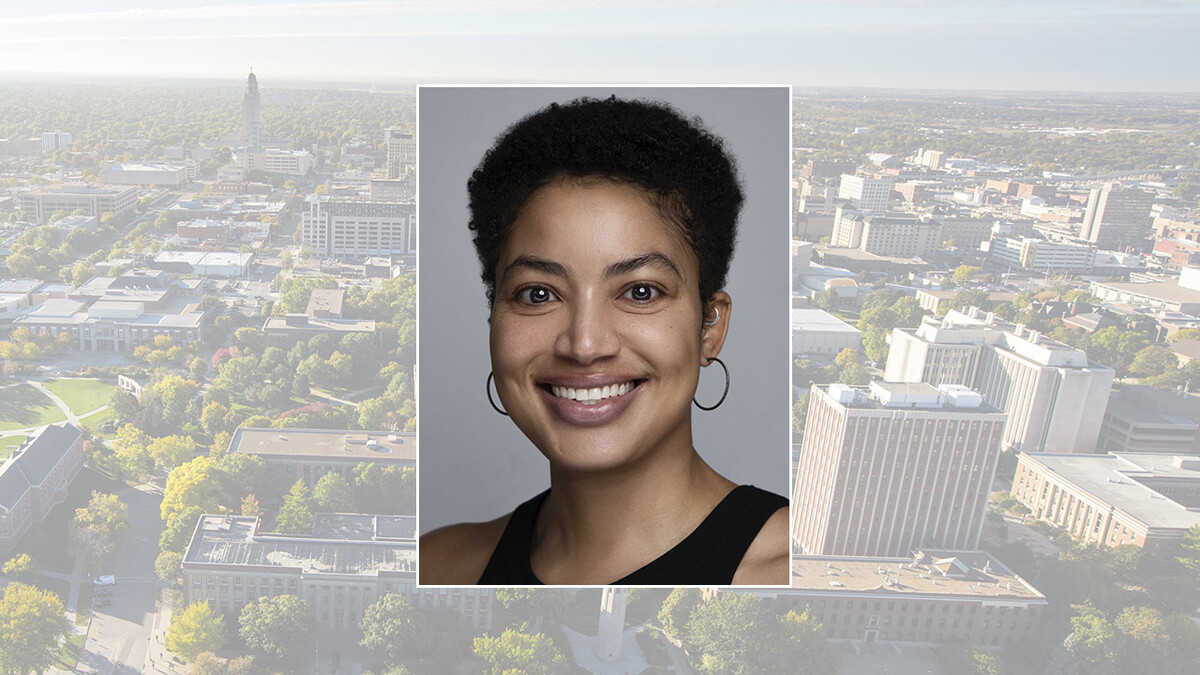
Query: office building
{"points": [[1040, 255], [1138, 498], [1117, 217], [308, 454], [273, 160], [148, 174], [39, 204], [1144, 419], [36, 478], [339, 570], [816, 332], [401, 153], [1053, 395], [929, 158], [866, 194], [894, 468], [826, 168], [53, 141], [889, 235], [348, 227]]}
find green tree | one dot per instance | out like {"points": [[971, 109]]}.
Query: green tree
{"points": [[1153, 360], [131, 450], [964, 299], [96, 528], [516, 652], [178, 530], [677, 611], [171, 451], [192, 484], [800, 413], [734, 633], [392, 629], [1186, 334], [1190, 550], [803, 640], [250, 507], [21, 567], [33, 627], [275, 626], [194, 630], [168, 565], [965, 273], [296, 513], [1093, 640], [526, 605], [332, 494]]}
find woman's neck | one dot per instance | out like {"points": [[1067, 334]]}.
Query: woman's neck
{"points": [[599, 527]]}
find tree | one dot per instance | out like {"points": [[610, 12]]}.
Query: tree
{"points": [[296, 514], [1186, 334], [21, 567], [1093, 640], [250, 507], [965, 273], [97, 527], [168, 565], [526, 605], [1153, 360], [677, 611], [392, 629], [275, 626], [332, 494], [515, 652], [800, 413], [191, 484], [33, 627], [964, 299], [171, 451], [132, 453], [178, 530], [194, 630], [734, 633], [1190, 546], [803, 640]]}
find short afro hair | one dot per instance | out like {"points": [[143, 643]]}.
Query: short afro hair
{"points": [[683, 168]]}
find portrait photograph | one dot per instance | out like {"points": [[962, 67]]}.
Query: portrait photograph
{"points": [[603, 345]]}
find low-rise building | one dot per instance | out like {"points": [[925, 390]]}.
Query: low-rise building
{"points": [[339, 570], [36, 478], [95, 200], [926, 599], [1144, 419], [1143, 499], [819, 333], [308, 454], [285, 331]]}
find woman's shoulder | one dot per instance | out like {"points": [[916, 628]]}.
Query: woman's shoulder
{"points": [[457, 554], [766, 562]]}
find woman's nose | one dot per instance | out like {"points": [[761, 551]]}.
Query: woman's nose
{"points": [[591, 333]]}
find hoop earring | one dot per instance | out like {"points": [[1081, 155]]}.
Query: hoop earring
{"points": [[715, 320], [723, 394], [487, 388]]}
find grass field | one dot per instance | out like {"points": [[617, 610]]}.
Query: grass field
{"points": [[23, 406], [97, 420], [7, 441], [81, 395]]}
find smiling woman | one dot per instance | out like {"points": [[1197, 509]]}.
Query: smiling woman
{"points": [[605, 229]]}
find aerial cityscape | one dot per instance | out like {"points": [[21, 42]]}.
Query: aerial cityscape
{"points": [[208, 346]]}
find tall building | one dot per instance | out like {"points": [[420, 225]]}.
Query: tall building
{"points": [[1040, 255], [349, 227], [895, 468], [1117, 217], [53, 141], [1053, 395], [866, 194], [886, 235], [611, 630], [401, 153], [252, 114]]}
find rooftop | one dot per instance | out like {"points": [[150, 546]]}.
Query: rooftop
{"points": [[819, 321], [974, 574], [1113, 479], [364, 446], [34, 461], [235, 540]]}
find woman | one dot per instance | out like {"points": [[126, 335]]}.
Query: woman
{"points": [[605, 229]]}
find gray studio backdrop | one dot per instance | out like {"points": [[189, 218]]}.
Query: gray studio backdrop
{"points": [[474, 464]]}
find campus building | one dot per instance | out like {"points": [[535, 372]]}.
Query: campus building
{"points": [[1052, 393], [308, 454], [340, 569], [38, 205], [36, 478], [1140, 418], [924, 599], [1140, 498], [890, 235], [866, 194], [894, 468], [816, 332], [349, 227]]}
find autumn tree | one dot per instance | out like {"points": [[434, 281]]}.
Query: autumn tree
{"points": [[194, 630], [96, 528], [517, 652], [296, 513], [33, 627]]}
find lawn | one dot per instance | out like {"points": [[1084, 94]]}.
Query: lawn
{"points": [[69, 656], [97, 420], [83, 609], [81, 395], [23, 406], [5, 451]]}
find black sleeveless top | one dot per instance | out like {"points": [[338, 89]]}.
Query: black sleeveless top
{"points": [[708, 556]]}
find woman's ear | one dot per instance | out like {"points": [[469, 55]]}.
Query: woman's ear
{"points": [[716, 326]]}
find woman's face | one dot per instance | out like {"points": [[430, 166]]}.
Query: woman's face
{"points": [[596, 331]]}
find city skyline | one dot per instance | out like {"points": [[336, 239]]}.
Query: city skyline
{"points": [[1113, 45]]}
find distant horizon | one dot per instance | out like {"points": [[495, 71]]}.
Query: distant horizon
{"points": [[1101, 46]]}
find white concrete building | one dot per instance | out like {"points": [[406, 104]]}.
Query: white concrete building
{"points": [[38, 205], [1041, 255], [865, 193], [348, 227], [816, 332]]}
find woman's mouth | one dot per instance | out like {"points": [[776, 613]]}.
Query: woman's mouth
{"points": [[593, 395]]}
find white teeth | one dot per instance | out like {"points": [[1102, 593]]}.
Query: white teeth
{"points": [[594, 395]]}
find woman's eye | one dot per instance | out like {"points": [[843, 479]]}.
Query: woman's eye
{"points": [[535, 295], [642, 293]]}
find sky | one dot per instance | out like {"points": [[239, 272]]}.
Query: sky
{"points": [[1045, 45]]}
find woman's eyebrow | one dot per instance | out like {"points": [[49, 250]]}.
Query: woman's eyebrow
{"points": [[534, 263], [654, 259]]}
